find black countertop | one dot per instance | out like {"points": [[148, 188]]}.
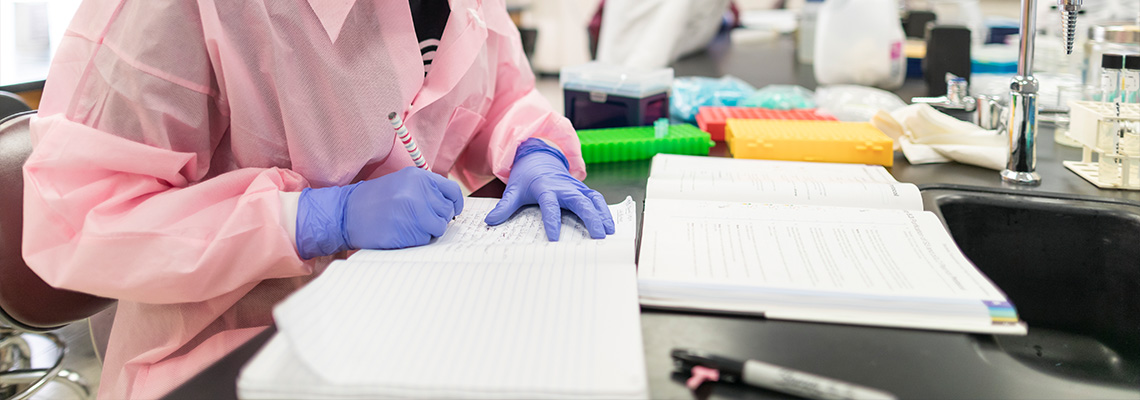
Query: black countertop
{"points": [[908, 363]]}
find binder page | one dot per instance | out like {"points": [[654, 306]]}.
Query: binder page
{"points": [[482, 312], [827, 249], [698, 167], [779, 182], [903, 196], [895, 268]]}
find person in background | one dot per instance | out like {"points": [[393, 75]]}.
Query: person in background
{"points": [[200, 160], [652, 34]]}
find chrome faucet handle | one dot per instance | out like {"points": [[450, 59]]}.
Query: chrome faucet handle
{"points": [[957, 95], [990, 113], [988, 110]]}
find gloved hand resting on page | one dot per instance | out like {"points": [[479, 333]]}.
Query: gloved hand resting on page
{"points": [[402, 209], [540, 175]]}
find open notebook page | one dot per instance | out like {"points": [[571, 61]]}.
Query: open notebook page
{"points": [[468, 238], [482, 312], [779, 182], [815, 263]]}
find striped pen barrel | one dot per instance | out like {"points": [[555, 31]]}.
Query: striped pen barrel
{"points": [[409, 143]]}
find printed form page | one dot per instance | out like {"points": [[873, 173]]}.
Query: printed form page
{"points": [[486, 312], [894, 252], [779, 182], [811, 263], [677, 166]]}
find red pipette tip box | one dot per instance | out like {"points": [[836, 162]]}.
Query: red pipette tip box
{"points": [[712, 119]]}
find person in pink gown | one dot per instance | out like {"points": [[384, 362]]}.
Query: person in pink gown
{"points": [[199, 160]]}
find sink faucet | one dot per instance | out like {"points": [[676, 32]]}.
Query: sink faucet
{"points": [[1022, 123], [987, 110]]}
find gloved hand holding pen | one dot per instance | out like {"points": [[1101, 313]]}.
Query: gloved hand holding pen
{"points": [[540, 175], [402, 209]]}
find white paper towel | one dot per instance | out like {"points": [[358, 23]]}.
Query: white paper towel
{"points": [[927, 136]]}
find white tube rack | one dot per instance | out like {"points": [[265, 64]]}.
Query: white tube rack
{"points": [[1099, 127]]}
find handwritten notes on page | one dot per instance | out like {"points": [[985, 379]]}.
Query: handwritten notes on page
{"points": [[482, 312], [468, 238]]}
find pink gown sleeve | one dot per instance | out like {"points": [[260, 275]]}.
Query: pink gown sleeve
{"points": [[130, 192], [518, 111]]}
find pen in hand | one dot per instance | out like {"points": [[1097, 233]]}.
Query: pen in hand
{"points": [[409, 143], [708, 367]]}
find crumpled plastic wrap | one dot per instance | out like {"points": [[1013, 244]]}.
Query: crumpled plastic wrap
{"points": [[781, 97], [690, 93], [854, 103]]}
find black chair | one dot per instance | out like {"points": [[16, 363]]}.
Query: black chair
{"points": [[28, 305], [11, 104]]}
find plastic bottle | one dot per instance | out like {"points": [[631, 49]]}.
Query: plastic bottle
{"points": [[805, 41], [860, 42], [966, 13]]}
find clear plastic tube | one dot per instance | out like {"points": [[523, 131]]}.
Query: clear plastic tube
{"points": [[1130, 79], [1110, 70], [1130, 93]]}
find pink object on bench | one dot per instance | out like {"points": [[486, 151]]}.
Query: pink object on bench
{"points": [[701, 375]]}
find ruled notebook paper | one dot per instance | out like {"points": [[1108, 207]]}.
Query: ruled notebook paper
{"points": [[482, 312]]}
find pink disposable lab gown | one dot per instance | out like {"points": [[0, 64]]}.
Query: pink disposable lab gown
{"points": [[168, 128]]}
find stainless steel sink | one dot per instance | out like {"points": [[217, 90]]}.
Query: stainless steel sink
{"points": [[1071, 267]]}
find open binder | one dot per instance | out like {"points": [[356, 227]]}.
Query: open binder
{"points": [[838, 243]]}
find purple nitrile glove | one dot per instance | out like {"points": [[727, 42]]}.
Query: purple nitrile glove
{"points": [[541, 175], [402, 209]]}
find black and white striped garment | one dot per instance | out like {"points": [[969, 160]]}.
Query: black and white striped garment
{"points": [[429, 17]]}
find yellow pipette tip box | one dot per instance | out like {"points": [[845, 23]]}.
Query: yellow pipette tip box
{"points": [[820, 141]]}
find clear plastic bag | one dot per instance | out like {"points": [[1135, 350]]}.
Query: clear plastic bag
{"points": [[855, 103], [781, 97], [859, 42], [692, 92]]}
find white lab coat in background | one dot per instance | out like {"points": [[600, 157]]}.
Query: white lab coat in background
{"points": [[654, 33], [562, 38]]}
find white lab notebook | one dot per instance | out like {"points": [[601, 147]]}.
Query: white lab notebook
{"points": [[837, 243], [482, 312]]}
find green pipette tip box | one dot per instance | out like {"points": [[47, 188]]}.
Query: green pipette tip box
{"points": [[639, 143]]}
